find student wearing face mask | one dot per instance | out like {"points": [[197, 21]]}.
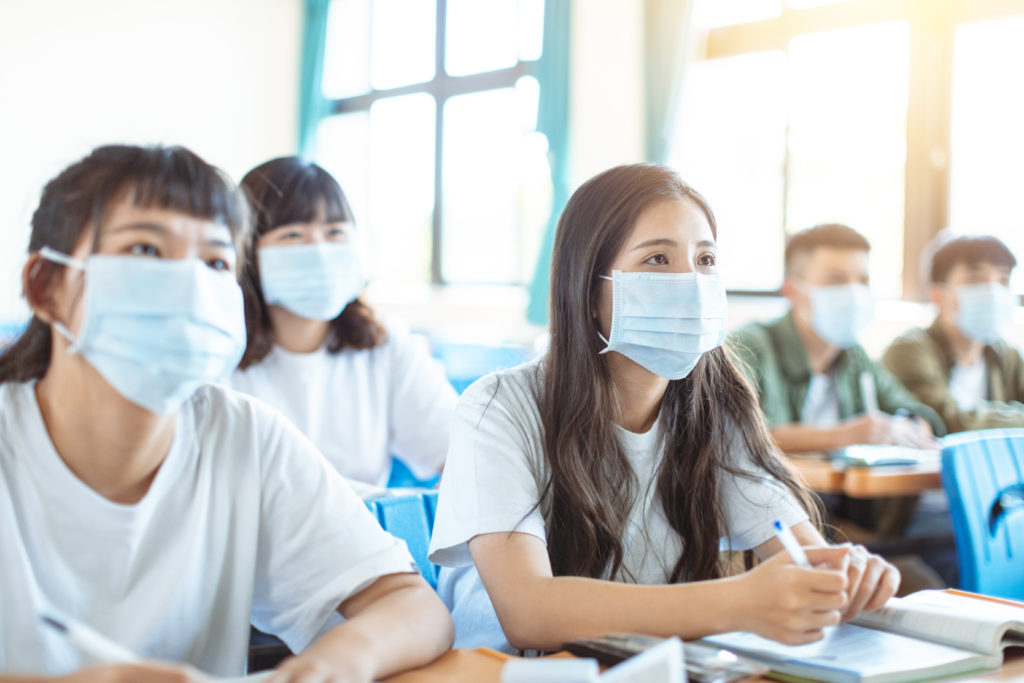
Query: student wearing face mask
{"points": [[961, 366], [592, 490], [361, 391], [817, 386], [160, 510]]}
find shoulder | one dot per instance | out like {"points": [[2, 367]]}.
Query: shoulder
{"points": [[915, 338], [225, 413], [504, 400], [751, 335]]}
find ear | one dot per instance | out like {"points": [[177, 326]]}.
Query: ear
{"points": [[38, 279], [788, 289], [937, 294]]}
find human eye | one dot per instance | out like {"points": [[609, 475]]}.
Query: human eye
{"points": [[337, 233], [659, 259], [144, 249], [707, 260], [218, 264]]}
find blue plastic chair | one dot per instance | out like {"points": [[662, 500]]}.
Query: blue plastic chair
{"points": [[983, 474], [410, 517], [466, 363]]}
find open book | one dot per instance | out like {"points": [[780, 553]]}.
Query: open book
{"points": [[928, 634]]}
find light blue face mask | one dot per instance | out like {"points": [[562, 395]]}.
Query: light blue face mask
{"points": [[314, 281], [156, 329], [666, 321], [839, 313], [984, 310]]}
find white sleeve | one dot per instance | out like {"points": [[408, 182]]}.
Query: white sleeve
{"points": [[752, 504], [488, 484], [318, 544], [422, 401]]}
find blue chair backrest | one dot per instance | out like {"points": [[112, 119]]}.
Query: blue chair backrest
{"points": [[466, 363], [983, 474], [410, 517]]}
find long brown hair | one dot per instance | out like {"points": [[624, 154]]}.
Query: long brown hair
{"points": [[290, 190], [705, 416], [77, 201]]}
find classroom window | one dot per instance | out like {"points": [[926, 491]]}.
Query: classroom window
{"points": [[432, 133], [892, 117]]}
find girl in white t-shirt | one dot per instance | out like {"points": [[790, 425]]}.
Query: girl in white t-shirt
{"points": [[592, 490], [140, 500], [316, 352]]}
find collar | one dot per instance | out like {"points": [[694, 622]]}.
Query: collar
{"points": [[991, 352]]}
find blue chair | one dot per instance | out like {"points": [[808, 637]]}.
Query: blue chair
{"points": [[402, 477], [410, 518], [983, 474], [466, 363]]}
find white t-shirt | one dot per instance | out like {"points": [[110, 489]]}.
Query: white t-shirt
{"points": [[243, 522], [361, 407], [492, 481], [968, 384], [821, 407]]}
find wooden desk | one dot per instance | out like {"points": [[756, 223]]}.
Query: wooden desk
{"points": [[824, 476], [484, 666]]}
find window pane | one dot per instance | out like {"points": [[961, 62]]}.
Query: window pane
{"points": [[531, 29], [403, 42], [343, 148], [800, 4], [347, 53], [730, 144], [481, 36], [496, 185], [847, 139], [712, 13], [401, 187], [987, 175]]}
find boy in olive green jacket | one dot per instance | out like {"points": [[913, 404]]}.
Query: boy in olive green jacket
{"points": [[960, 365]]}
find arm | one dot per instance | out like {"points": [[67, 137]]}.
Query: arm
{"points": [[893, 396], [540, 611], [395, 624]]}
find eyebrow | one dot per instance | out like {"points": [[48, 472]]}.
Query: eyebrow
{"points": [[163, 230], [665, 242]]}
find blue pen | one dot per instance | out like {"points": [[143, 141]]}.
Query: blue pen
{"points": [[791, 545]]}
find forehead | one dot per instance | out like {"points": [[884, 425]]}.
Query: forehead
{"points": [[124, 213], [679, 219], [836, 258]]}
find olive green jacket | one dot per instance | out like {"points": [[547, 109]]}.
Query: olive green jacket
{"points": [[923, 360], [773, 357]]}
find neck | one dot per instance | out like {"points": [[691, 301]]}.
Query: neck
{"points": [[820, 354], [639, 393], [966, 351], [297, 334], [111, 444]]}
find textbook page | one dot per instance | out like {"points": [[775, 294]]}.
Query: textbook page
{"points": [[853, 654], [955, 620]]}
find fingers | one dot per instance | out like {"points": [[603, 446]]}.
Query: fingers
{"points": [[887, 586], [874, 567], [832, 557]]}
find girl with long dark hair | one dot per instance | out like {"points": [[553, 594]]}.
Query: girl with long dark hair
{"points": [[144, 501], [359, 390], [593, 489]]}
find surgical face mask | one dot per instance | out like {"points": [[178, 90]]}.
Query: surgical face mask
{"points": [[314, 281], [156, 329], [666, 321], [839, 313], [985, 310]]}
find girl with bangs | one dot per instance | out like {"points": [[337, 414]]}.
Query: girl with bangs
{"points": [[143, 501], [593, 490], [360, 390]]}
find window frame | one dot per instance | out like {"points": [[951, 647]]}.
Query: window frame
{"points": [[441, 87], [929, 98]]}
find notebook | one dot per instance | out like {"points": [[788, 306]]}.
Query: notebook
{"points": [[929, 634], [879, 456]]}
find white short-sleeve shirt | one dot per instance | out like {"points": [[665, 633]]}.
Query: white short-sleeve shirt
{"points": [[360, 407], [244, 522], [492, 482], [968, 384]]}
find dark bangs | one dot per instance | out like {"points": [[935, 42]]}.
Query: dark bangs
{"points": [[290, 190], [970, 250]]}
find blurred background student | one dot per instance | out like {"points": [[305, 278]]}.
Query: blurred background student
{"points": [[360, 390], [961, 365]]}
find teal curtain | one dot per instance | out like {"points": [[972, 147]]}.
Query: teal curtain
{"points": [[666, 53], [312, 105], [553, 122]]}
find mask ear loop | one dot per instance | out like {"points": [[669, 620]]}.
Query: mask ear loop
{"points": [[607, 343], [64, 260]]}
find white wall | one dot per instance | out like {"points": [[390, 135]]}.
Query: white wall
{"points": [[219, 76]]}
